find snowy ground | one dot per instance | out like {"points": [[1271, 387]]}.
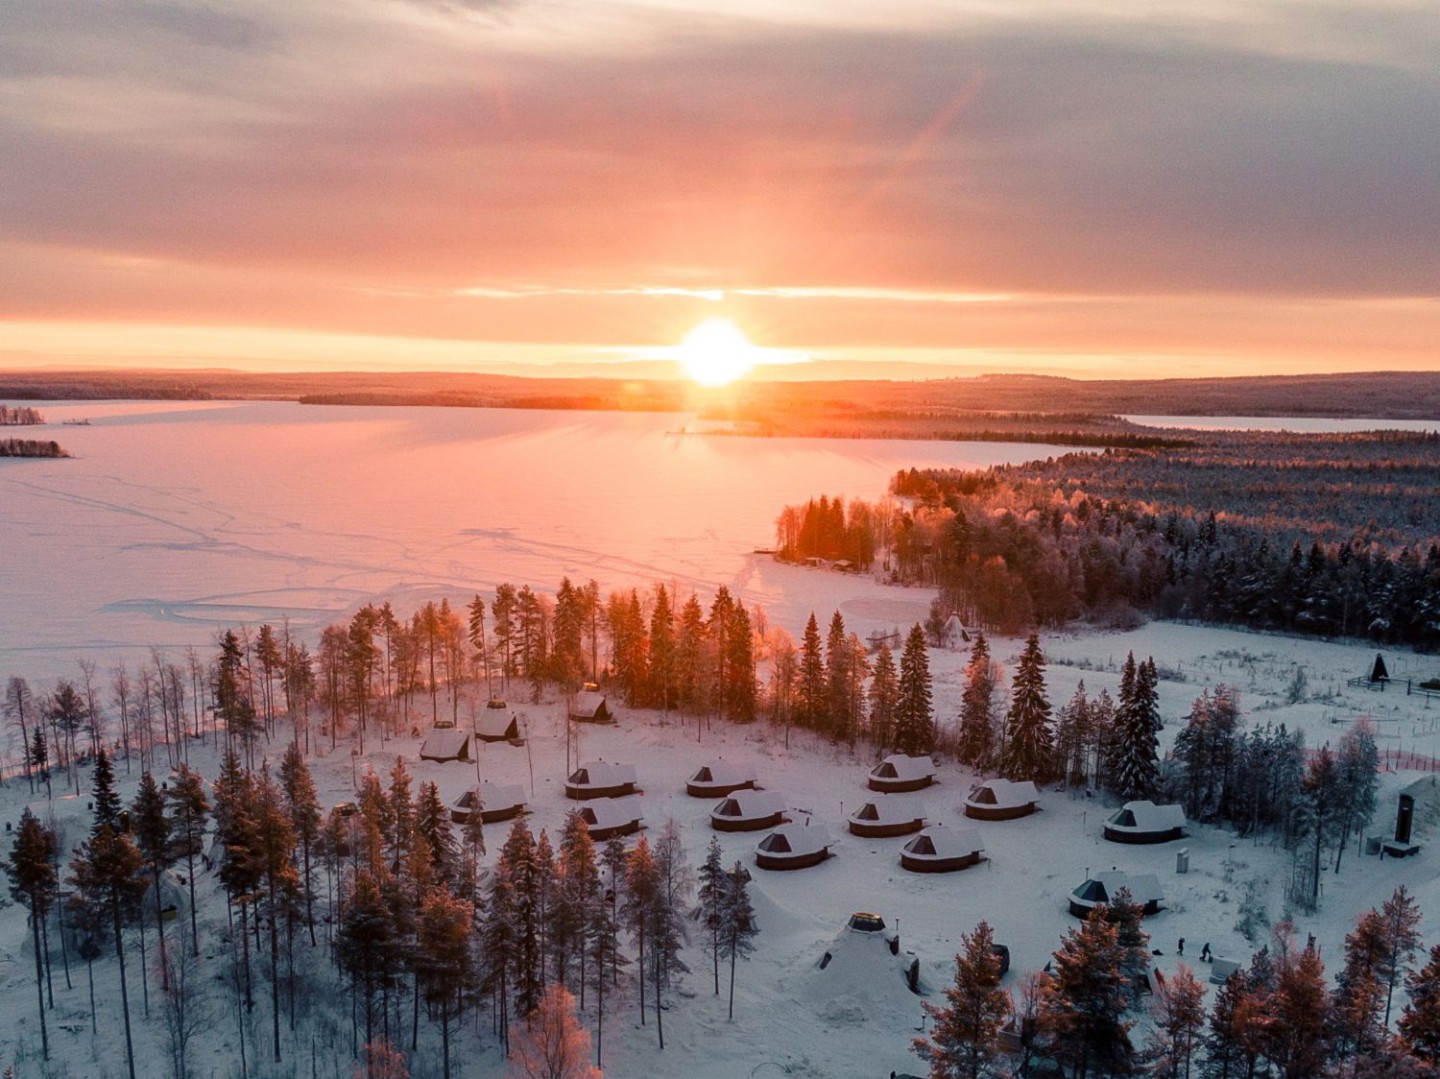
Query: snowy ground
{"points": [[833, 1024]]}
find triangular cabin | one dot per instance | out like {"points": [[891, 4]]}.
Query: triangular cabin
{"points": [[496, 723], [1100, 888], [793, 846], [496, 801], [1002, 799], [887, 816], [589, 706], [748, 811], [1379, 672], [898, 773], [942, 850], [446, 744], [719, 778], [954, 633], [606, 818], [1145, 822], [600, 779]]}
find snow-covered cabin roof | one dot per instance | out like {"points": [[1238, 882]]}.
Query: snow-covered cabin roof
{"points": [[611, 812], [889, 809], [1146, 816], [940, 842], [796, 839], [588, 702], [602, 774], [750, 805], [1101, 887], [722, 773], [899, 766], [445, 744], [1004, 793], [492, 796], [495, 721]]}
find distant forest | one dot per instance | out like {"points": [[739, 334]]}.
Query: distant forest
{"points": [[30, 447], [1332, 535], [19, 417]]}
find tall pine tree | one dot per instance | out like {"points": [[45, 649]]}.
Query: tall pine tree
{"points": [[1029, 751]]}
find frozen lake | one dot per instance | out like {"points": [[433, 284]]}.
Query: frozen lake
{"points": [[176, 518], [1294, 424]]}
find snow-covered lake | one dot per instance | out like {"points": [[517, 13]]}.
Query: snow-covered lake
{"points": [[176, 518], [1295, 424]]}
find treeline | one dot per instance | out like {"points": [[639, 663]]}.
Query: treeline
{"points": [[1176, 536], [30, 447], [406, 917], [19, 416], [1276, 1018]]}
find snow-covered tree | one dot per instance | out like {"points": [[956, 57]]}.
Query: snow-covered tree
{"points": [[738, 928], [1029, 750], [914, 713], [553, 1044], [977, 707], [1082, 1008], [964, 1040]]}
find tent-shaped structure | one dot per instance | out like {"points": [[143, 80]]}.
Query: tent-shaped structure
{"points": [[600, 779], [1100, 888], [864, 959], [1379, 672], [942, 850], [496, 802], [748, 811], [887, 815], [719, 778], [446, 744], [1145, 822], [606, 818], [793, 846], [589, 706], [898, 773], [1001, 799], [496, 723]]}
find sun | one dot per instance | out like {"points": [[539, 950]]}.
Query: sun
{"points": [[717, 352]]}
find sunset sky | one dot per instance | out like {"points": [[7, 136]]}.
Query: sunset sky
{"points": [[1093, 187]]}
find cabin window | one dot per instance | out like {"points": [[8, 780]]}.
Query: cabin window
{"points": [[775, 844], [867, 812], [923, 845], [984, 796], [702, 776], [1093, 892], [885, 770], [730, 809], [1124, 819], [581, 776]]}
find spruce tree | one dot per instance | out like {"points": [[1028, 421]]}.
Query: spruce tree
{"points": [[1029, 749], [275, 848], [578, 895], [712, 892], [432, 828], [443, 947], [811, 696], [1134, 770], [977, 707], [303, 804], [105, 803], [964, 1039], [1359, 993], [642, 888], [914, 716], [1179, 1013], [1399, 941], [740, 646], [884, 697], [837, 681], [1297, 1039], [33, 884], [38, 759], [189, 810]]}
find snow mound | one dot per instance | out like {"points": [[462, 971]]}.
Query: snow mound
{"points": [[862, 977]]}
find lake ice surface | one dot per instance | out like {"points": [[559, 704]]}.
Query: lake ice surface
{"points": [[176, 518]]}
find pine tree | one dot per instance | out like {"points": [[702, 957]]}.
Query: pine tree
{"points": [[1029, 750], [667, 929], [810, 702], [1072, 738], [1179, 1013], [914, 716], [578, 896], [977, 707], [106, 872], [965, 1037], [1131, 940], [1399, 941], [33, 883], [689, 650], [432, 827], [663, 690], [367, 947], [518, 865], [151, 829], [884, 697], [1320, 813], [443, 946], [38, 760], [642, 888], [1359, 992], [1082, 1008], [1359, 766], [1298, 1037], [189, 810], [1420, 1021], [737, 939], [1236, 1026], [837, 681], [275, 848], [303, 804]]}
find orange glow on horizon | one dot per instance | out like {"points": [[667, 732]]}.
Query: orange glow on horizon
{"points": [[717, 352]]}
